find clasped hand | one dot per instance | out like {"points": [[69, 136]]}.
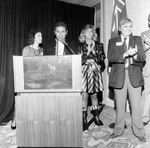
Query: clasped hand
{"points": [[131, 52], [146, 40]]}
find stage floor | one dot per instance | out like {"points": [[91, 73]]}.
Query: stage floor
{"points": [[95, 137]]}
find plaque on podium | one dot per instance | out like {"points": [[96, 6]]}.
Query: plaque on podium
{"points": [[47, 73], [48, 102]]}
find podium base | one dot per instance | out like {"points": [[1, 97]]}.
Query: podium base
{"points": [[49, 120]]}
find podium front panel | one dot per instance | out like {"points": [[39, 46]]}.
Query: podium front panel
{"points": [[47, 73]]}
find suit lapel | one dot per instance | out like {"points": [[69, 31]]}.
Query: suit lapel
{"points": [[119, 41]]}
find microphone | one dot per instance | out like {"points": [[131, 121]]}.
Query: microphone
{"points": [[68, 47]]}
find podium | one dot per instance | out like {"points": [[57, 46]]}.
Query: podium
{"points": [[48, 103]]}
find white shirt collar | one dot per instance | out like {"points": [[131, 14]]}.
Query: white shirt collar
{"points": [[60, 47], [122, 38]]}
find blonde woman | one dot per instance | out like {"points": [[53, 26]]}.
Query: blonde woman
{"points": [[93, 56]]}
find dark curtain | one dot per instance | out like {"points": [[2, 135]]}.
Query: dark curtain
{"points": [[17, 18]]}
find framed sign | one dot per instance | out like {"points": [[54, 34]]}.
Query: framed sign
{"points": [[48, 72]]}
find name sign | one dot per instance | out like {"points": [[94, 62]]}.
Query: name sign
{"points": [[47, 72]]}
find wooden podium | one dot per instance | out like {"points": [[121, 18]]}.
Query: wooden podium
{"points": [[48, 102]]}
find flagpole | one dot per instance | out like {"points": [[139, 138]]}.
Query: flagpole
{"points": [[103, 30], [102, 22], [95, 18]]}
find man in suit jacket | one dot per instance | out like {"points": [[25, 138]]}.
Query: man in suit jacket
{"points": [[146, 73], [126, 77], [60, 45]]}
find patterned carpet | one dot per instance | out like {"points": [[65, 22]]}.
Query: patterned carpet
{"points": [[95, 137]]}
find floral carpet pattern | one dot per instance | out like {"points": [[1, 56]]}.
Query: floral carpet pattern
{"points": [[95, 137]]}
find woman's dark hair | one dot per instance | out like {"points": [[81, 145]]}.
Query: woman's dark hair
{"points": [[32, 33]]}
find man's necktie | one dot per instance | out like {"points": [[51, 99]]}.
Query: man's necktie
{"points": [[125, 49]]}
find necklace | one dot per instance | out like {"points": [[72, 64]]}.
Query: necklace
{"points": [[36, 51]]}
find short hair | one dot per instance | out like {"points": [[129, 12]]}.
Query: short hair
{"points": [[124, 21], [82, 34], [32, 33], [61, 24]]}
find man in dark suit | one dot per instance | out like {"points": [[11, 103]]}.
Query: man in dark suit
{"points": [[60, 45], [126, 55]]}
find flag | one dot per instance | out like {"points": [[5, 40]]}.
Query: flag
{"points": [[119, 12]]}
